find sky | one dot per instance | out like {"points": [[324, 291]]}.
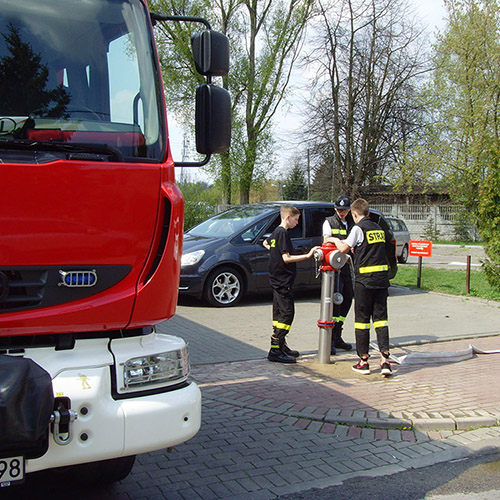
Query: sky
{"points": [[432, 13]]}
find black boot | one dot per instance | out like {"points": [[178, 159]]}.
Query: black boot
{"points": [[289, 352], [277, 355], [340, 344], [337, 338]]}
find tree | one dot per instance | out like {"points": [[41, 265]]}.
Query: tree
{"points": [[200, 201], [265, 38], [489, 223], [467, 96], [368, 57], [24, 79], [295, 187]]}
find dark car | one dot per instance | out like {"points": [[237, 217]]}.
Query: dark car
{"points": [[223, 257]]}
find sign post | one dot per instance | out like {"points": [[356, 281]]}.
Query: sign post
{"points": [[420, 248]]}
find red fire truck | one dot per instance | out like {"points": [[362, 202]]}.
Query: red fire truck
{"points": [[91, 224]]}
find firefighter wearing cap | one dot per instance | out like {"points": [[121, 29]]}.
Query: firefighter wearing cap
{"points": [[367, 239], [339, 226]]}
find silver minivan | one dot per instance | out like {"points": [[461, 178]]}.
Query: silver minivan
{"points": [[402, 236]]}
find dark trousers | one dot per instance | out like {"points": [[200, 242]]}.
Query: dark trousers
{"points": [[370, 303], [343, 284], [283, 313]]}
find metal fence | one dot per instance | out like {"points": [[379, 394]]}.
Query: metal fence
{"points": [[444, 222]]}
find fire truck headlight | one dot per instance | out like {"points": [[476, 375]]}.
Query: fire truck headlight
{"points": [[192, 258], [156, 370]]}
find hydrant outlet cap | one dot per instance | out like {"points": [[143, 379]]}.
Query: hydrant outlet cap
{"points": [[338, 259]]}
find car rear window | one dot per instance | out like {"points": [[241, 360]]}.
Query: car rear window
{"points": [[397, 225]]}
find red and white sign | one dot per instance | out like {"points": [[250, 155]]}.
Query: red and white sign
{"points": [[421, 248]]}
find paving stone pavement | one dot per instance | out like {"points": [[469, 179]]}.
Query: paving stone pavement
{"points": [[270, 429], [334, 394]]}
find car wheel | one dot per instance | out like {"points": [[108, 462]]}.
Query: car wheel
{"points": [[224, 287], [404, 255]]}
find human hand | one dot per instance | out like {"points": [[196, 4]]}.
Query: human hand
{"points": [[311, 252]]}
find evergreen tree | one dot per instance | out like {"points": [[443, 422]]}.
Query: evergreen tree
{"points": [[295, 187], [23, 81]]}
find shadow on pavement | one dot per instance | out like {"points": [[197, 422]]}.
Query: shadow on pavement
{"points": [[267, 297], [454, 479], [56, 485], [207, 345]]}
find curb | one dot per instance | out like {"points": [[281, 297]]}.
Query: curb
{"points": [[418, 422]]}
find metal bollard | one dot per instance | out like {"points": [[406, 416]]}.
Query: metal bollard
{"points": [[329, 260], [325, 317]]}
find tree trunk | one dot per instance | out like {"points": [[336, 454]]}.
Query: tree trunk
{"points": [[226, 179]]}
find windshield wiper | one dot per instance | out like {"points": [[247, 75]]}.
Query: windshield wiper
{"points": [[74, 150]]}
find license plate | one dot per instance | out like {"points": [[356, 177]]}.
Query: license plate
{"points": [[11, 470]]}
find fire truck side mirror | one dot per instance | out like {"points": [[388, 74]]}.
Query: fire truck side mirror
{"points": [[213, 119], [211, 53]]}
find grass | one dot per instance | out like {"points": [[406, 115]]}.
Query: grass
{"points": [[446, 281]]}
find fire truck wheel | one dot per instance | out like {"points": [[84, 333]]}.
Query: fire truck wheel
{"points": [[224, 287], [103, 472]]}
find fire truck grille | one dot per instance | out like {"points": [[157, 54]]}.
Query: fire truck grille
{"points": [[26, 288], [20, 289]]}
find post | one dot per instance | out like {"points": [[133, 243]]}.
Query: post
{"points": [[326, 313], [419, 272], [308, 176], [467, 277], [328, 259]]}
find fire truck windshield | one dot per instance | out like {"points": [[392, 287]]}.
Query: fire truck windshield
{"points": [[80, 72]]}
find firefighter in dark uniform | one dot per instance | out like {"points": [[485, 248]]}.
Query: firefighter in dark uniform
{"points": [[367, 240], [282, 271], [339, 226]]}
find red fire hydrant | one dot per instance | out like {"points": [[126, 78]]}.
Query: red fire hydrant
{"points": [[330, 258]]}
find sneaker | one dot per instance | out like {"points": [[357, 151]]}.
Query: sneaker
{"points": [[278, 356], [290, 352], [386, 369], [362, 367], [343, 345]]}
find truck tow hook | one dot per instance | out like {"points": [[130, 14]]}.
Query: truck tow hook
{"points": [[62, 428]]}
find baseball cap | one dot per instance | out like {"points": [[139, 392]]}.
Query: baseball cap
{"points": [[343, 202]]}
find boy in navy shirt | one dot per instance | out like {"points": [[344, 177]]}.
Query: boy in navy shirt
{"points": [[282, 271]]}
